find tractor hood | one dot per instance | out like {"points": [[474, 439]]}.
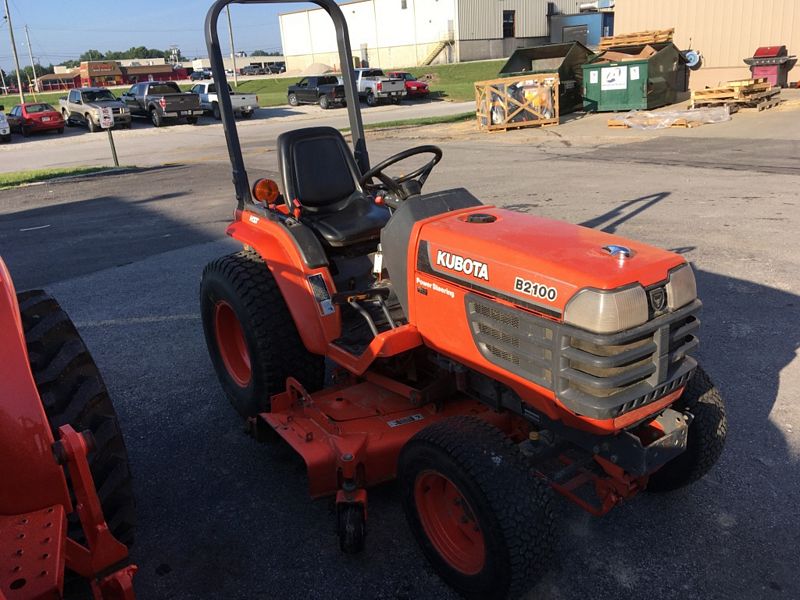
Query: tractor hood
{"points": [[533, 261]]}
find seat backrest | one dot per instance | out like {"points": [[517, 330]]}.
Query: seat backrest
{"points": [[317, 167]]}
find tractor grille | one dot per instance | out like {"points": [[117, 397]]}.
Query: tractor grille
{"points": [[600, 376]]}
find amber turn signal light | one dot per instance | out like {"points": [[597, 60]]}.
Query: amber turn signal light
{"points": [[266, 191]]}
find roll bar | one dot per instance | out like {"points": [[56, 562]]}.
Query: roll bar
{"points": [[240, 180]]}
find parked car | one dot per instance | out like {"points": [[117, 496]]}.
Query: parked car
{"points": [[276, 68], [5, 129], [200, 74], [161, 100], [414, 87], [374, 86], [32, 117], [84, 105], [251, 70], [324, 90], [243, 104]]}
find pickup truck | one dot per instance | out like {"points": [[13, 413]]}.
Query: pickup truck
{"points": [[324, 90], [243, 104], [5, 128], [83, 105], [161, 100], [374, 85]]}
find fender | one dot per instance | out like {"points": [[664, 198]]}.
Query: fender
{"points": [[267, 236], [31, 478]]}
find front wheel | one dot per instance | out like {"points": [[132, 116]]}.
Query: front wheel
{"points": [[251, 335], [293, 100], [65, 116], [706, 437], [90, 124], [480, 515]]}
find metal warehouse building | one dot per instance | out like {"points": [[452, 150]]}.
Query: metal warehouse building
{"points": [[401, 33], [723, 31]]}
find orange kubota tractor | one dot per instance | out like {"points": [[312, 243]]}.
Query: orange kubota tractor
{"points": [[481, 356], [54, 494]]}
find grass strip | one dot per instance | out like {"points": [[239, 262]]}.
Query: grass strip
{"points": [[17, 178]]}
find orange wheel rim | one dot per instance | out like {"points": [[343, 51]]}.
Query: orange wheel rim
{"points": [[231, 343], [449, 522]]}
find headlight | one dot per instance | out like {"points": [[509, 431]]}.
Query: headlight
{"points": [[602, 311], [681, 287]]}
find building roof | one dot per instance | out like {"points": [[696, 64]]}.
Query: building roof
{"points": [[299, 10], [59, 76]]}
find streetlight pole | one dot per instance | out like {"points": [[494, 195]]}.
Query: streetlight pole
{"points": [[14, 51], [30, 55], [233, 52]]}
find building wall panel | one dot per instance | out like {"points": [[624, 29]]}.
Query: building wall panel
{"points": [[724, 31]]}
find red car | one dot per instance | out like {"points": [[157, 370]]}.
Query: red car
{"points": [[34, 116], [414, 88]]}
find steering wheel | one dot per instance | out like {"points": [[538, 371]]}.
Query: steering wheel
{"points": [[393, 184]]}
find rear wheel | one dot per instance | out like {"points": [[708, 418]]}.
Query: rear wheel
{"points": [[293, 100], [60, 130], [191, 120], [706, 438], [371, 99], [215, 111], [482, 518], [250, 333], [247, 114], [156, 118], [323, 102], [25, 131], [73, 393]]}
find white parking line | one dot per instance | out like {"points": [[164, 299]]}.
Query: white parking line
{"points": [[137, 320]]}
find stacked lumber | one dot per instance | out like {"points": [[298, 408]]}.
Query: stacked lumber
{"points": [[638, 38], [618, 123], [758, 94]]}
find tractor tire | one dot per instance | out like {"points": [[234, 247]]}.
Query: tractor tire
{"points": [[706, 437], [73, 393], [215, 111], [324, 104], [251, 335], [293, 100], [156, 118], [90, 124], [485, 522]]}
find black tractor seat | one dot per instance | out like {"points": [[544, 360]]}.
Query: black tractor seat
{"points": [[319, 171]]}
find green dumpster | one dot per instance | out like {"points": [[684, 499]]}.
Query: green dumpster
{"points": [[639, 77], [565, 59]]}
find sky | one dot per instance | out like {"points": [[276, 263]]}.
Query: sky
{"points": [[62, 29]]}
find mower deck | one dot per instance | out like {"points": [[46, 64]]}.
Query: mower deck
{"points": [[351, 435]]}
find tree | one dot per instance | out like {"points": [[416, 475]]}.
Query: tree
{"points": [[264, 53]]}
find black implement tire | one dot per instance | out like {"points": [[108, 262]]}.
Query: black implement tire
{"points": [[73, 393], [499, 498], [239, 290], [706, 437], [324, 103], [215, 111], [293, 101], [156, 118]]}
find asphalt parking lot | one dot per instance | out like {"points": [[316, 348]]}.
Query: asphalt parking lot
{"points": [[221, 516]]}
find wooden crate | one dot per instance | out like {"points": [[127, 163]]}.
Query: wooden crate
{"points": [[618, 123], [638, 38], [518, 101]]}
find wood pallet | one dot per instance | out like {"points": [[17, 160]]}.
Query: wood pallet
{"points": [[638, 38], [617, 123], [742, 93], [515, 102]]}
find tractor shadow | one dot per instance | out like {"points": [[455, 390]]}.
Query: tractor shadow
{"points": [[750, 334]]}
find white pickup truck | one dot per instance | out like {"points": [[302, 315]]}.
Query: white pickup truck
{"points": [[243, 104], [5, 129], [374, 85]]}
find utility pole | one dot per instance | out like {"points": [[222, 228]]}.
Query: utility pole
{"points": [[14, 51], [233, 52], [30, 55]]}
